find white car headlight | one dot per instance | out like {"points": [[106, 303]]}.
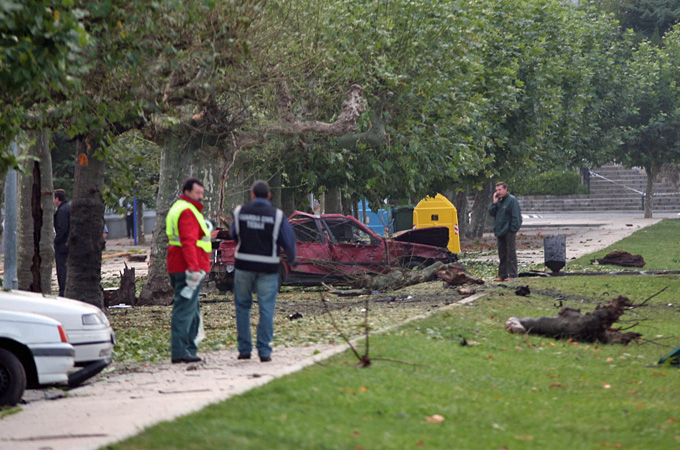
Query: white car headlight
{"points": [[91, 319]]}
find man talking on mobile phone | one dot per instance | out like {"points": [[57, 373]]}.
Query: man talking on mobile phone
{"points": [[507, 221]]}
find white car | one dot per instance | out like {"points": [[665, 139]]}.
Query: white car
{"points": [[34, 350], [86, 326]]}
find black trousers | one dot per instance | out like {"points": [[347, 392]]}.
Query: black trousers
{"points": [[60, 258], [507, 254], [130, 225]]}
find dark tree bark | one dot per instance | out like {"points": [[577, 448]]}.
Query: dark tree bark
{"points": [[288, 203], [480, 214], [126, 292], [652, 172], [461, 203], [36, 210], [571, 324], [2, 202], [140, 223], [347, 206], [85, 242], [275, 188]]}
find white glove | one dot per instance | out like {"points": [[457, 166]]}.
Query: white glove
{"points": [[194, 278]]}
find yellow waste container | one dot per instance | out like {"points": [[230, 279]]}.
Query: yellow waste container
{"points": [[438, 212]]}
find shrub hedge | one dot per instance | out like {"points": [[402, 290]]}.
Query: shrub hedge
{"points": [[552, 183]]}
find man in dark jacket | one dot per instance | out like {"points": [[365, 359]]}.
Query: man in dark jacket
{"points": [[259, 229], [62, 225], [507, 220]]}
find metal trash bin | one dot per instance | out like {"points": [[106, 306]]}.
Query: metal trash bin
{"points": [[555, 252]]}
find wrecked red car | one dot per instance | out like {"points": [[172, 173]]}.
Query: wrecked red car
{"points": [[335, 248]]}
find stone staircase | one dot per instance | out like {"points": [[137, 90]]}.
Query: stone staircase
{"points": [[612, 188]]}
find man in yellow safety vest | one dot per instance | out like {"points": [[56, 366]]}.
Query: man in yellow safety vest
{"points": [[188, 261]]}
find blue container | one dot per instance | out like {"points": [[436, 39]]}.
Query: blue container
{"points": [[379, 222]]}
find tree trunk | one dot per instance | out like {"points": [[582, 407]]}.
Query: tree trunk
{"points": [[652, 171], [140, 223], [126, 292], [334, 200], [175, 159], [346, 206], [480, 210], [288, 201], [36, 220], [2, 202], [461, 202], [205, 163], [275, 188], [86, 242]]}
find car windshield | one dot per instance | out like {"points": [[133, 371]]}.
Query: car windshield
{"points": [[348, 232]]}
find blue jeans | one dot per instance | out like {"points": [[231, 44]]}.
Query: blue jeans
{"points": [[186, 315], [266, 285]]}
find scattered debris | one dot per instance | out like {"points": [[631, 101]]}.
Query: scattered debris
{"points": [[571, 324], [437, 418], [621, 258], [523, 291], [466, 291]]}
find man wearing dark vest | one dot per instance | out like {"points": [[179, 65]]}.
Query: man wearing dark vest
{"points": [[188, 261], [62, 225], [259, 229]]}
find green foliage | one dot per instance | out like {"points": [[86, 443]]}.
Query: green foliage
{"points": [[651, 19], [133, 170], [465, 90], [551, 183], [651, 131], [41, 42]]}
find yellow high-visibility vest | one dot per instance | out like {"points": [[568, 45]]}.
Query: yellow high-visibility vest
{"points": [[172, 225]]}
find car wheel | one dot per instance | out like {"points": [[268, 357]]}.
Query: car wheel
{"points": [[12, 378]]}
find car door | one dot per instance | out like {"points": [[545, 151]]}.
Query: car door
{"points": [[355, 249], [313, 250]]}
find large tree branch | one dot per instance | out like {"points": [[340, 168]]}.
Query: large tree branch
{"points": [[353, 106]]}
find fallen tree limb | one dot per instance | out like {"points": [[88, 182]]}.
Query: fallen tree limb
{"points": [[453, 274], [571, 324], [621, 258]]}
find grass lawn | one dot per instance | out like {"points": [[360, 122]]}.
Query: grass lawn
{"points": [[500, 391]]}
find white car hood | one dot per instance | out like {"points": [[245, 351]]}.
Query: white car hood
{"points": [[68, 312]]}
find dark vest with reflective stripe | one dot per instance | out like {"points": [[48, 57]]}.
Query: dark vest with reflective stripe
{"points": [[257, 226]]}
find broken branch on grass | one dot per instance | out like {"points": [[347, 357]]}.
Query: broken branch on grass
{"points": [[346, 293], [644, 303], [571, 324], [336, 328]]}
